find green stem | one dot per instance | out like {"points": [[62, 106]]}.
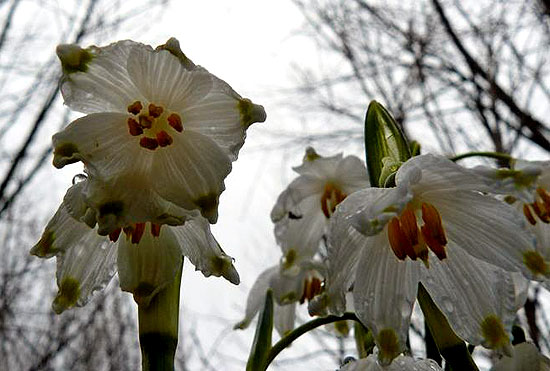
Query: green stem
{"points": [[495, 155], [158, 328], [306, 327], [451, 347]]}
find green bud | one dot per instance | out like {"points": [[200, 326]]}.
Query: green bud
{"points": [[385, 145], [262, 339], [73, 58]]}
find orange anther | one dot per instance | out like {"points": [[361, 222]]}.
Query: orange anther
{"points": [[409, 226], [528, 215], [155, 111], [433, 242], [541, 212], [174, 120], [164, 139], [134, 128], [146, 121], [545, 197], [155, 229], [113, 236], [399, 242], [135, 107], [331, 198], [149, 143], [432, 221], [138, 232]]}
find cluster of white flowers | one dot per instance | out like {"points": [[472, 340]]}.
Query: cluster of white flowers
{"points": [[157, 142], [472, 237]]}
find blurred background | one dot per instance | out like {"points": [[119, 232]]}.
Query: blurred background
{"points": [[457, 75]]}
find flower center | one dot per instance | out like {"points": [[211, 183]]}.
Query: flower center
{"points": [[407, 239], [540, 208], [151, 124], [312, 287], [135, 232], [330, 198]]}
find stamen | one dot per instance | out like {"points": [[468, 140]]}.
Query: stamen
{"points": [[149, 143], [312, 287], [113, 236], [155, 111], [331, 198], [146, 121], [135, 107], [155, 229], [138, 232], [164, 139], [538, 208], [398, 241], [134, 128], [174, 120], [545, 197], [528, 215], [432, 242], [409, 226], [432, 230]]}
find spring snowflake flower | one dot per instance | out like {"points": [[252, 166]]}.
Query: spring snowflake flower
{"points": [[158, 127], [527, 188], [303, 209], [146, 255], [436, 228], [289, 289]]}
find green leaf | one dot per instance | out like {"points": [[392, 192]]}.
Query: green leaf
{"points": [[385, 144], [262, 340]]}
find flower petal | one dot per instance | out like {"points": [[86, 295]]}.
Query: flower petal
{"points": [[291, 200], [484, 227], [401, 363], [352, 174], [105, 86], [256, 296], [191, 172], [469, 290], [146, 267], [87, 265], [384, 294], [162, 79], [102, 142], [284, 317], [199, 245]]}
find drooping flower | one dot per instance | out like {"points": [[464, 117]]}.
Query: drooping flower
{"points": [[158, 127], [401, 363], [303, 209], [527, 188], [436, 228], [289, 288], [145, 255]]}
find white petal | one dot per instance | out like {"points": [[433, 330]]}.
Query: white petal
{"points": [[291, 199], [468, 290], [384, 291], [484, 227], [526, 357], [86, 266], [62, 233], [287, 288], [284, 317], [351, 174], [430, 172], [102, 142], [320, 167], [190, 173], [401, 363], [163, 80], [149, 266], [256, 296], [199, 245], [106, 85]]}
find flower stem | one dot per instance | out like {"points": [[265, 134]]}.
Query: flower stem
{"points": [[158, 328], [306, 327], [495, 155]]}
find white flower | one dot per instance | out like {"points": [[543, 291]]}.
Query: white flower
{"points": [[303, 209], [527, 188], [146, 255], [156, 124], [526, 356], [401, 363], [288, 290], [435, 227]]}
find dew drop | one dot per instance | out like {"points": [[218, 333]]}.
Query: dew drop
{"points": [[79, 178], [448, 305]]}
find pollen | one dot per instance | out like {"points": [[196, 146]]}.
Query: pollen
{"points": [[331, 198], [155, 111], [146, 121], [174, 120], [134, 128], [164, 139], [149, 143], [135, 107]]}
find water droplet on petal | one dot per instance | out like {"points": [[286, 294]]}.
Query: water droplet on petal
{"points": [[448, 305], [79, 178]]}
